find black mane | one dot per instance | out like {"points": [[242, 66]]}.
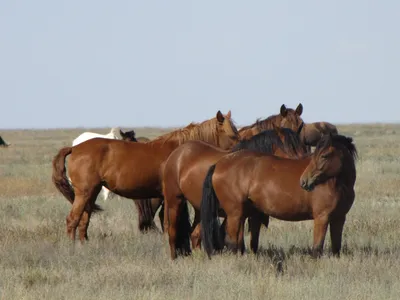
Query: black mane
{"points": [[267, 139], [335, 141]]}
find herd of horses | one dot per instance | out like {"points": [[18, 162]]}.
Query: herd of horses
{"points": [[263, 170]]}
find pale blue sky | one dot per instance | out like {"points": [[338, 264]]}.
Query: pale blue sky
{"points": [[167, 63]]}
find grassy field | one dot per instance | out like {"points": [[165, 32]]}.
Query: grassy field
{"points": [[121, 263]]}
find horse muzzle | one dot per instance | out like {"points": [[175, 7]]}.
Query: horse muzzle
{"points": [[306, 185]]}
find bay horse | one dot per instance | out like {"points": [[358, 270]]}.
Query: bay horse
{"points": [[113, 134], [184, 174], [130, 170], [287, 118], [312, 132], [318, 187]]}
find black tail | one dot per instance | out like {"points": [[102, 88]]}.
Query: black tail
{"points": [[210, 225], [183, 230], [146, 215]]}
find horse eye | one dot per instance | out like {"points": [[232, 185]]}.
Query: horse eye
{"points": [[326, 155]]}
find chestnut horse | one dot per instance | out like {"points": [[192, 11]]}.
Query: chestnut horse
{"points": [[113, 134], [287, 118], [184, 174], [130, 170], [319, 187]]}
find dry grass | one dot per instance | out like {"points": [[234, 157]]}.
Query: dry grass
{"points": [[121, 263]]}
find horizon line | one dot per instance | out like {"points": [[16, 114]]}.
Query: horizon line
{"points": [[176, 126]]}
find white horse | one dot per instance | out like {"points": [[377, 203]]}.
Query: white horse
{"points": [[113, 134]]}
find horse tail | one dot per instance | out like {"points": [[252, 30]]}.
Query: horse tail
{"points": [[210, 225], [60, 180], [146, 214], [183, 227], [59, 175]]}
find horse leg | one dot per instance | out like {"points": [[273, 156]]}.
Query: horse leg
{"points": [[320, 228], [234, 238], [336, 230], [196, 231], [83, 226], [75, 215], [178, 227], [161, 214], [85, 218], [105, 193], [254, 227]]}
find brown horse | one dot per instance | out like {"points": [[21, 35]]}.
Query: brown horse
{"points": [[319, 187], [184, 173], [130, 170], [287, 118], [313, 132]]}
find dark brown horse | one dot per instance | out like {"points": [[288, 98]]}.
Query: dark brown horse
{"points": [[319, 187], [184, 173], [313, 132], [3, 143], [287, 118], [130, 170], [128, 135]]}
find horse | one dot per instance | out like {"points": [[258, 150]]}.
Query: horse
{"points": [[312, 132], [3, 143], [130, 170], [184, 173], [113, 134], [129, 136], [318, 187], [287, 118]]}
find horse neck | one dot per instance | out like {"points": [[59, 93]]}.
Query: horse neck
{"points": [[268, 123]]}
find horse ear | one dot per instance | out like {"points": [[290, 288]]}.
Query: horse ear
{"points": [[299, 109], [228, 115], [283, 110], [121, 133], [220, 117]]}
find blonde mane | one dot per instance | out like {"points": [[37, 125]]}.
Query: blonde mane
{"points": [[206, 131]]}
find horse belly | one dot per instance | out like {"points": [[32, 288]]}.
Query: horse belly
{"points": [[281, 204], [132, 182]]}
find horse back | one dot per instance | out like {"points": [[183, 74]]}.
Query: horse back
{"points": [[123, 165], [187, 167]]}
